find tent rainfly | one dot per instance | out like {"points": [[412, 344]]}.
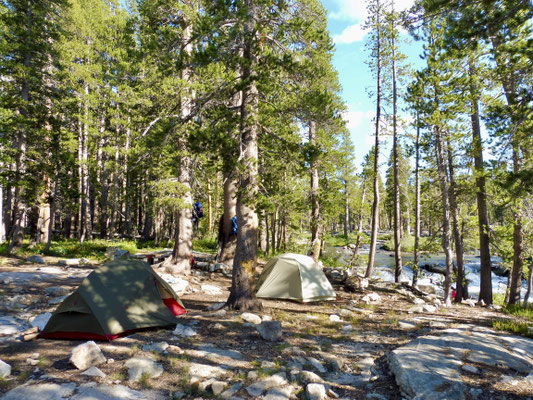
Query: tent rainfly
{"points": [[294, 277], [118, 298]]}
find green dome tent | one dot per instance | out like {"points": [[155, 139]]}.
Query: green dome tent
{"points": [[294, 277], [118, 298]]}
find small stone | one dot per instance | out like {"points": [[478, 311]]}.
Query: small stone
{"points": [[429, 308], [35, 259], [268, 364], [157, 347], [270, 330], [347, 313], [316, 364], [216, 306], [183, 331], [334, 318], [253, 375], [470, 368], [220, 313], [316, 391], [87, 355], [218, 387], [178, 395], [57, 291], [406, 325], [418, 301], [227, 394], [94, 371], [310, 377], [70, 262], [139, 366], [251, 318], [31, 361], [332, 394], [5, 369], [211, 289], [347, 328]]}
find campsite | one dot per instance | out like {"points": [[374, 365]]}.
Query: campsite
{"points": [[266, 199], [219, 353]]}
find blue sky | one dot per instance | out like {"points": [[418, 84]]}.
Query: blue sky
{"points": [[345, 18]]}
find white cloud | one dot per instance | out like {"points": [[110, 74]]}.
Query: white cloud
{"points": [[349, 10], [355, 10], [353, 118], [353, 33]]}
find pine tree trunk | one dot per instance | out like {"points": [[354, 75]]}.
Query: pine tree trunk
{"points": [[397, 211], [375, 204], [485, 290], [85, 226], [2, 224], [518, 240], [446, 231], [209, 208], [267, 233], [461, 288], [273, 229], [416, 254], [263, 232], [103, 179], [529, 283], [180, 262], [228, 241], [115, 201], [242, 296], [315, 206], [126, 189], [360, 222], [346, 209]]}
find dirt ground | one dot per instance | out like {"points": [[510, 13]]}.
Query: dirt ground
{"points": [[375, 330]]}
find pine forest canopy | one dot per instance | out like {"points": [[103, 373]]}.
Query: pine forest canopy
{"points": [[116, 116]]}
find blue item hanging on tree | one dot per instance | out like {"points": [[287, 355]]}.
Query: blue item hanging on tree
{"points": [[233, 226]]}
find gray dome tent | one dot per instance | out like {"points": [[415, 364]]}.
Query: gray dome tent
{"points": [[294, 277]]}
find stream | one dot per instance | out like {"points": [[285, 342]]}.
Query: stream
{"points": [[384, 269]]}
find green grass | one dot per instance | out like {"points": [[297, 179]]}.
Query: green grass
{"points": [[71, 248], [520, 325], [205, 245]]}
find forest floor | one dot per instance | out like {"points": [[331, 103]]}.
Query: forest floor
{"points": [[376, 329]]}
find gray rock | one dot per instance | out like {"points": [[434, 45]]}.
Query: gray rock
{"points": [[198, 372], [429, 308], [415, 309], [57, 291], [69, 262], [56, 300], [41, 391], [94, 371], [178, 395], [5, 369], [87, 355], [35, 259], [220, 313], [91, 391], [218, 387], [279, 393], [375, 396], [335, 318], [253, 375], [270, 330], [310, 377], [11, 326], [417, 301], [316, 364], [157, 347], [406, 324], [231, 391], [316, 391], [139, 366], [183, 331], [204, 385], [252, 318], [216, 306], [259, 387], [470, 368], [41, 320], [347, 313]]}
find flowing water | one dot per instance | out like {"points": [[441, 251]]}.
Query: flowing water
{"points": [[384, 269]]}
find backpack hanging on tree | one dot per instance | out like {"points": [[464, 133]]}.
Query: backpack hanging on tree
{"points": [[198, 210], [233, 226]]}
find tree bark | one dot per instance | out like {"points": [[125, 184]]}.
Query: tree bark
{"points": [[360, 222], [416, 254], [229, 241], [485, 290], [375, 204], [315, 205], [446, 235], [242, 296], [462, 287], [397, 211]]}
